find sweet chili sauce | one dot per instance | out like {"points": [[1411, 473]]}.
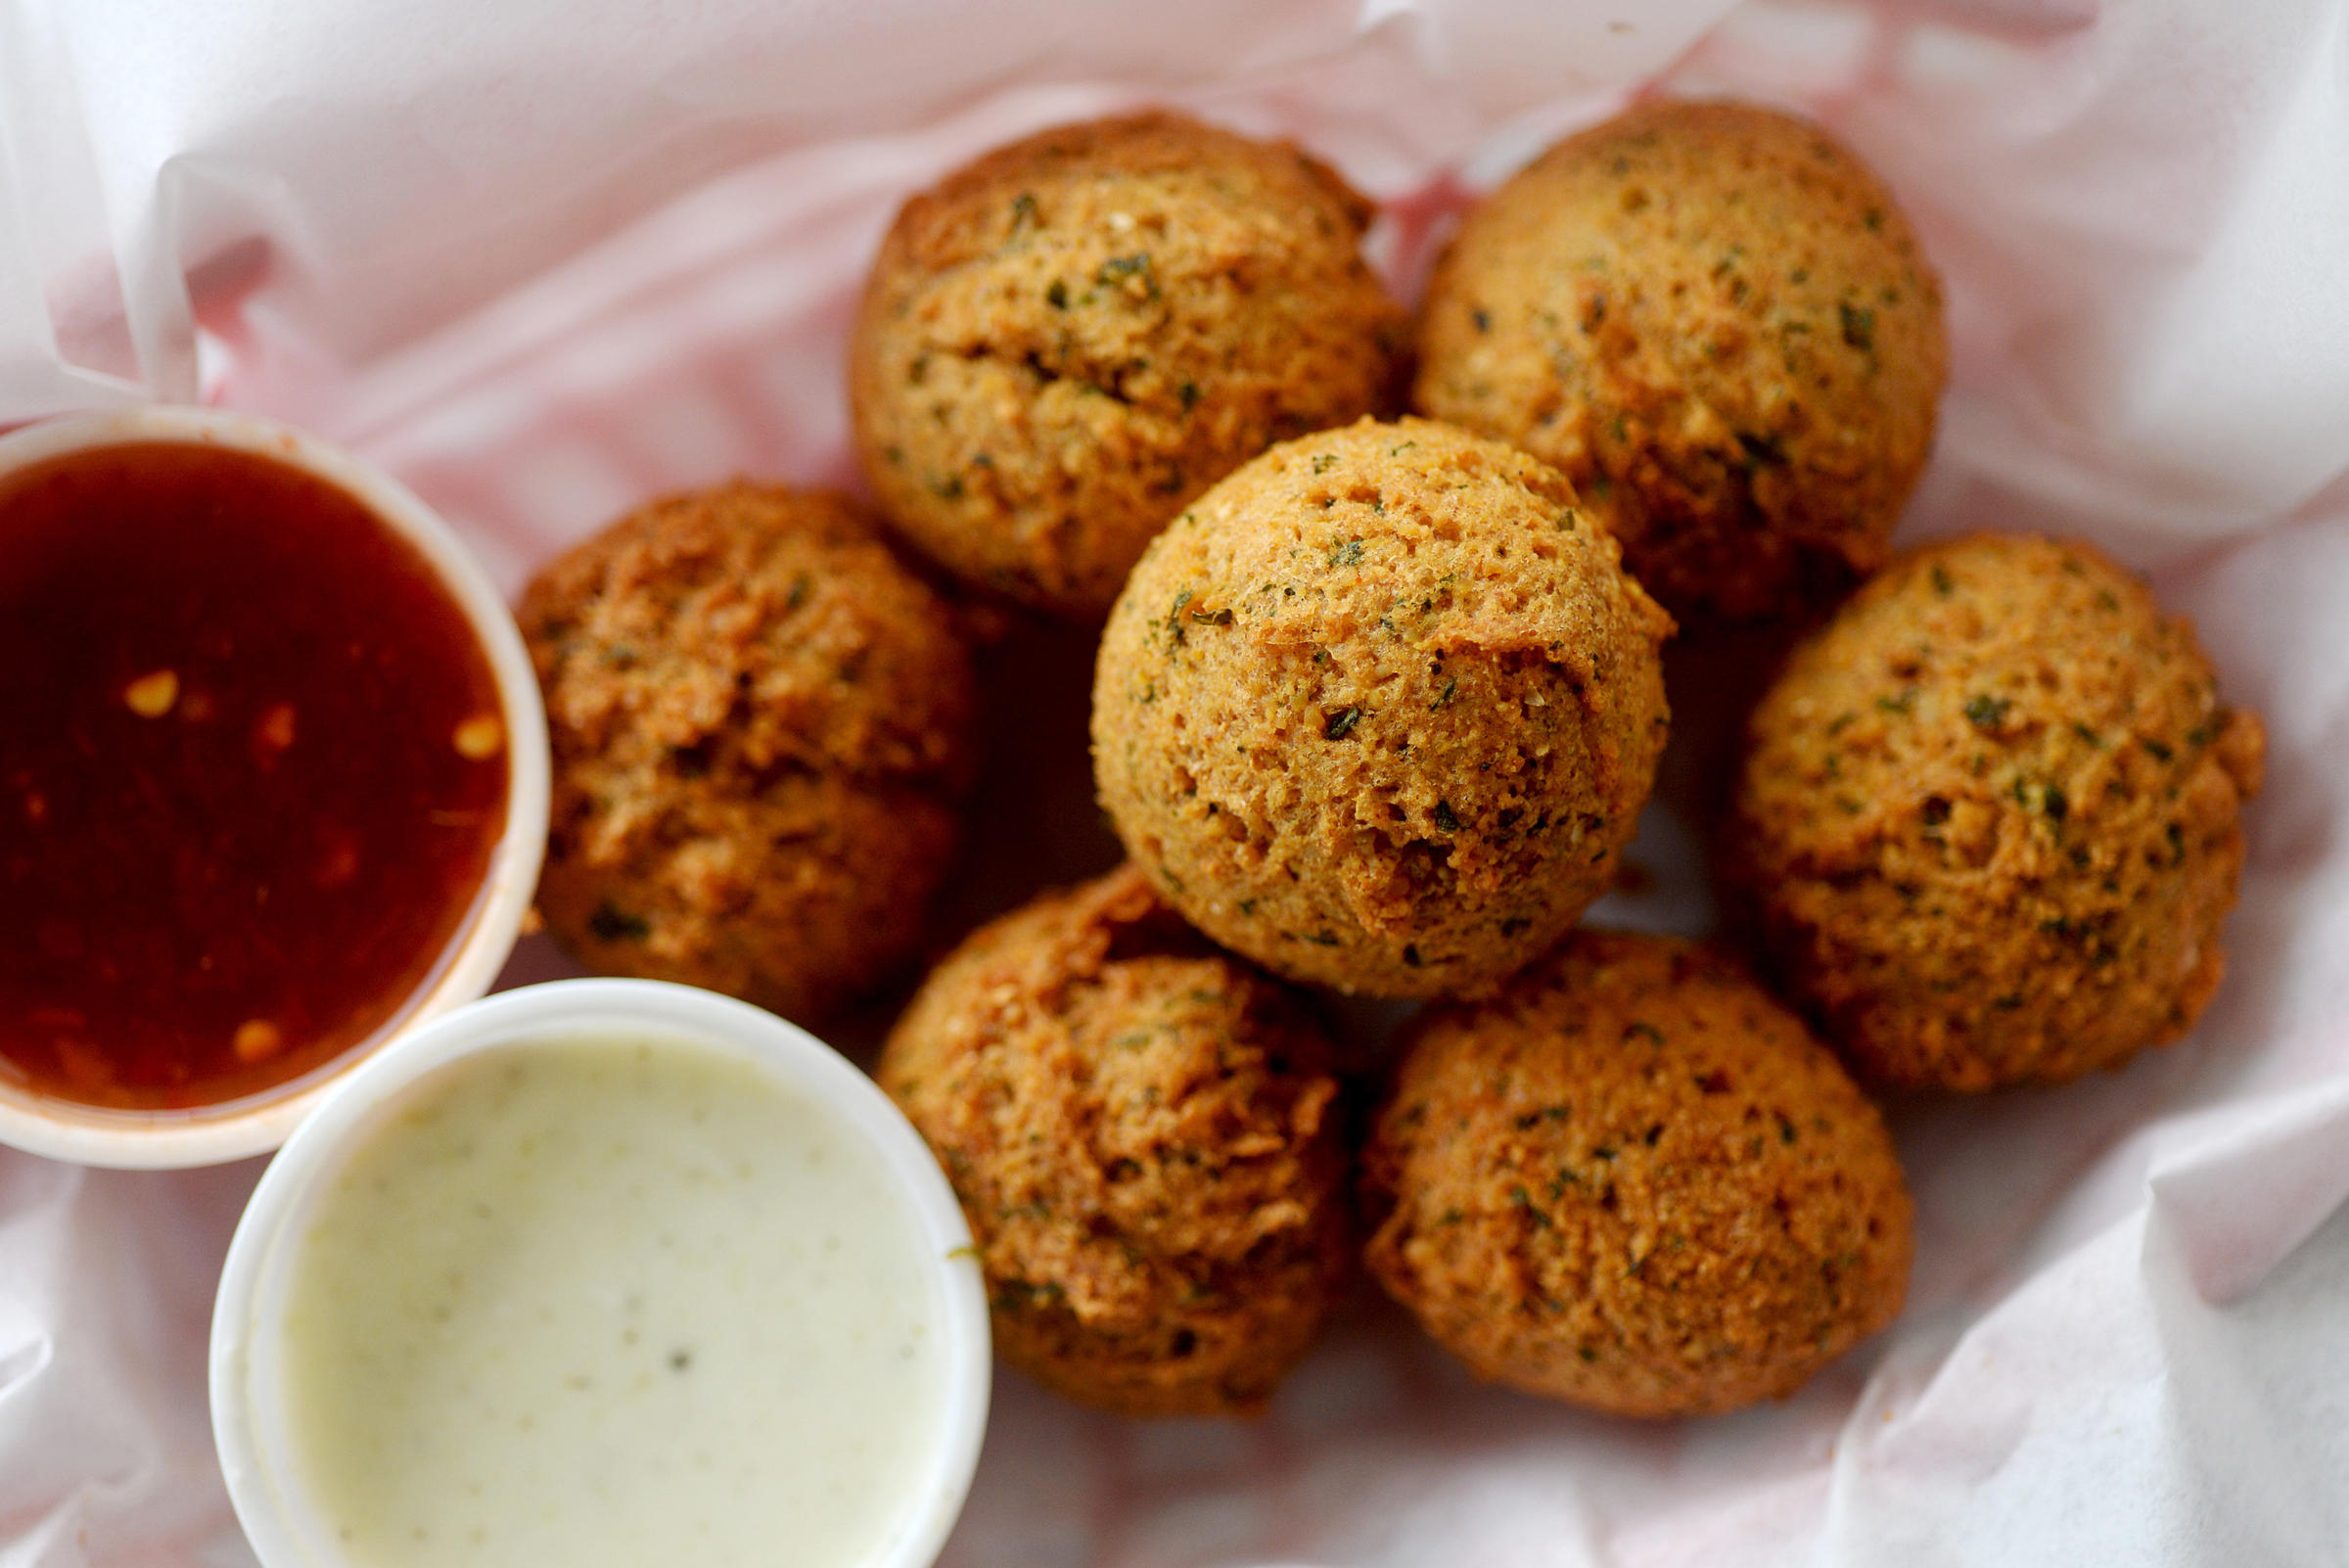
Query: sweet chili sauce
{"points": [[252, 773]]}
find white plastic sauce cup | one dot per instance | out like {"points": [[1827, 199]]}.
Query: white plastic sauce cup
{"points": [[210, 1134], [250, 1421]]}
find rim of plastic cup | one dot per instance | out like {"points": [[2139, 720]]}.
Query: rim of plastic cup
{"points": [[148, 1139], [248, 1421]]}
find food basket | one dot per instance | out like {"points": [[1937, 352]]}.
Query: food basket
{"points": [[542, 261]]}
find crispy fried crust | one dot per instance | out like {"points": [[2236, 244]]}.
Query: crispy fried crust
{"points": [[1143, 1134], [1715, 322], [1066, 342], [1990, 817], [1380, 710], [1636, 1182], [760, 722]]}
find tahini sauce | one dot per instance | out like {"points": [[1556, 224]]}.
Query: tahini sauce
{"points": [[611, 1302]]}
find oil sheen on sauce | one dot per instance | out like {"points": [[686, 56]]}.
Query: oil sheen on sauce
{"points": [[252, 773], [612, 1301]]}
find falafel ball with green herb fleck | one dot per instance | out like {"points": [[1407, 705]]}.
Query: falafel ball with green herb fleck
{"points": [[1144, 1134], [1714, 319], [1065, 342], [1636, 1182], [760, 721], [1990, 819], [1380, 711]]}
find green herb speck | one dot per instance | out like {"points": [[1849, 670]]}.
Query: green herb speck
{"points": [[1125, 269], [1858, 326], [1986, 712], [611, 925]]}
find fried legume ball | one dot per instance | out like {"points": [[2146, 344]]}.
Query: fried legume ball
{"points": [[1990, 821], [1380, 711], [1715, 321], [1636, 1182], [1064, 342], [1144, 1134], [761, 724]]}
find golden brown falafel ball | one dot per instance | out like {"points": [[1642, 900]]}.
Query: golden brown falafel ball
{"points": [[1636, 1182], [1144, 1135], [1990, 817], [759, 722], [1715, 321], [1067, 340], [1380, 710]]}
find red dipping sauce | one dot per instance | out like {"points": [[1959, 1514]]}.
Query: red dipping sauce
{"points": [[251, 774]]}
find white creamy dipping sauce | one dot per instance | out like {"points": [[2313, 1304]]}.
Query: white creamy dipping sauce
{"points": [[612, 1301]]}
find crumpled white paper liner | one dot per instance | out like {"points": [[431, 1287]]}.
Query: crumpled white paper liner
{"points": [[545, 258]]}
